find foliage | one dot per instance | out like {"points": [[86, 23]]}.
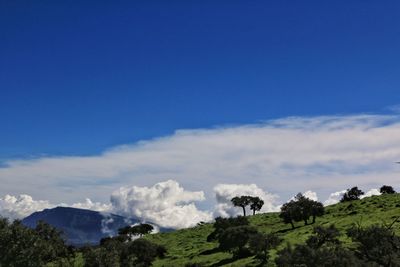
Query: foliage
{"points": [[234, 239], [387, 189], [221, 224], [321, 249], [141, 252], [22, 246], [260, 245], [190, 246], [242, 201], [136, 230], [301, 208], [376, 244], [256, 204], [352, 194], [121, 251]]}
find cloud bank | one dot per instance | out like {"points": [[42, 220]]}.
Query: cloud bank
{"points": [[166, 204], [18, 207], [285, 156]]}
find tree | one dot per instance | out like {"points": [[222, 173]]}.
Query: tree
{"points": [[260, 244], [136, 230], [322, 249], [256, 204], [317, 209], [376, 244], [234, 239], [242, 201], [352, 194], [324, 235], [300, 209], [23, 246], [221, 224], [141, 252], [290, 212], [387, 189]]}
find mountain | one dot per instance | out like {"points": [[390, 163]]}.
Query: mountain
{"points": [[189, 247], [80, 226]]}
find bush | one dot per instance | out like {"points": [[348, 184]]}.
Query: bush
{"points": [[387, 189], [352, 194]]}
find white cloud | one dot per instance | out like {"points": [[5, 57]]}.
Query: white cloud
{"points": [[225, 192], [311, 195], [166, 204], [90, 205], [370, 193], [289, 155], [334, 198], [308, 194], [18, 207]]}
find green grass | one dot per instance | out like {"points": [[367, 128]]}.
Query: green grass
{"points": [[190, 245]]}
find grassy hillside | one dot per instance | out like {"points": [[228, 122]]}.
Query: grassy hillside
{"points": [[190, 245]]}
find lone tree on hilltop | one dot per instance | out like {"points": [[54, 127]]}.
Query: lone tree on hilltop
{"points": [[352, 194], [242, 201], [387, 189], [256, 204], [300, 209]]}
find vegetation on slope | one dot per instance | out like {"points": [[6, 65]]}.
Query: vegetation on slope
{"points": [[190, 246], [234, 242]]}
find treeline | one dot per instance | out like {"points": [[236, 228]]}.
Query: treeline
{"points": [[44, 245], [372, 246], [22, 246], [376, 245]]}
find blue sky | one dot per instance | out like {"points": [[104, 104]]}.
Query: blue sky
{"points": [[185, 104], [79, 78]]}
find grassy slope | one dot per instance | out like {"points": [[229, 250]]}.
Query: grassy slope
{"points": [[190, 245]]}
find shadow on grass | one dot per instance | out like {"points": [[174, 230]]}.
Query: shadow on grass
{"points": [[224, 261], [210, 251], [287, 230], [244, 254]]}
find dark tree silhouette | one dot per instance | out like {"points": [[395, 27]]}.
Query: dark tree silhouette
{"points": [[387, 189], [256, 204], [317, 209], [323, 249], [141, 252], [290, 212], [300, 209], [376, 244], [260, 244], [136, 230], [221, 224], [352, 194], [242, 201], [22, 246], [234, 239]]}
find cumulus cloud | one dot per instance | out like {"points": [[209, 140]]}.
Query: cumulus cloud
{"points": [[225, 192], [90, 205], [166, 204], [308, 194], [334, 198], [18, 207], [289, 155], [372, 192], [311, 195]]}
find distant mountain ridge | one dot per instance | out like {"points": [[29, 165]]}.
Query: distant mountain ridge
{"points": [[81, 226]]}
